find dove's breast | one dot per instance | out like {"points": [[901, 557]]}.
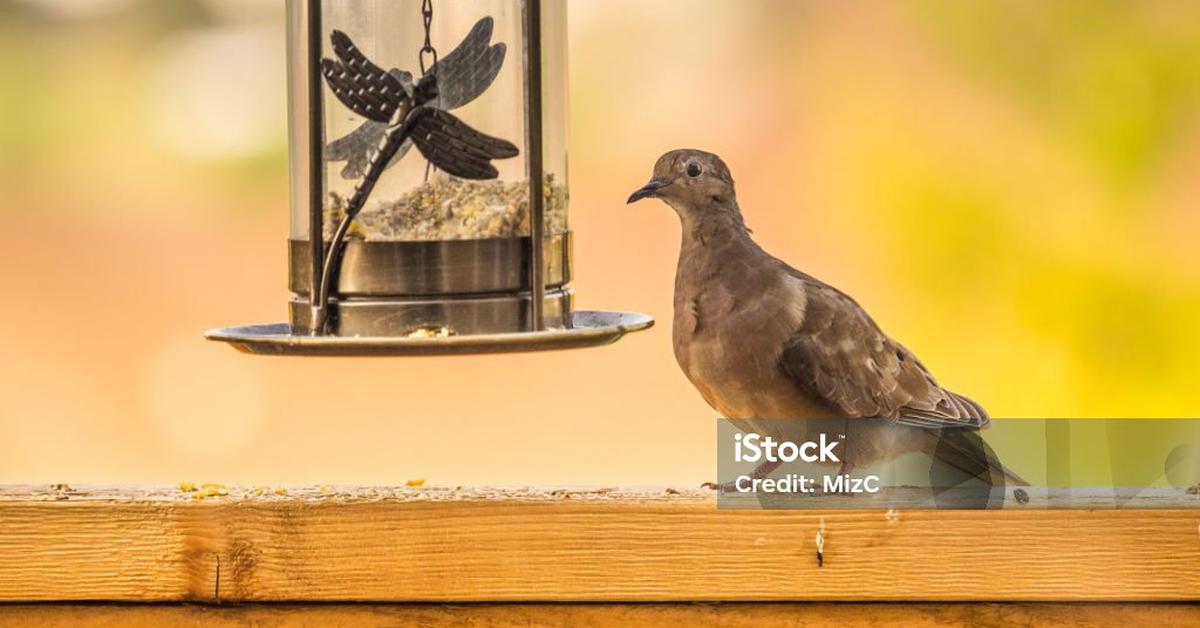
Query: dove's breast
{"points": [[730, 324]]}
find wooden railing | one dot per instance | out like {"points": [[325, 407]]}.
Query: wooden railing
{"points": [[218, 545]]}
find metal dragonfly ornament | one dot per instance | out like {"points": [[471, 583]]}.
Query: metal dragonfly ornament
{"points": [[400, 113], [462, 76]]}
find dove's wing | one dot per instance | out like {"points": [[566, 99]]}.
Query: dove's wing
{"points": [[470, 68], [840, 356], [361, 85], [456, 148]]}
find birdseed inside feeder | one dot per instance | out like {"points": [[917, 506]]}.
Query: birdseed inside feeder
{"points": [[429, 183]]}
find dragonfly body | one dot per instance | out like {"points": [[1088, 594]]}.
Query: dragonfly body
{"points": [[395, 135]]}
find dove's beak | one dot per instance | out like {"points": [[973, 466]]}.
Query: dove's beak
{"points": [[649, 190]]}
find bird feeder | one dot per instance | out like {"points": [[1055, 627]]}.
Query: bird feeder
{"points": [[429, 183]]}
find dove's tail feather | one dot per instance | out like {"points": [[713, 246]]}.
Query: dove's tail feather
{"points": [[967, 407], [965, 451]]}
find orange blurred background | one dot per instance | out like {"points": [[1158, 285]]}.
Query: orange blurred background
{"points": [[1011, 189]]}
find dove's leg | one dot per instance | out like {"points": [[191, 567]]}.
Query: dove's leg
{"points": [[760, 472]]}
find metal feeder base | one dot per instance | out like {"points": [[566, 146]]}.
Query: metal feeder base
{"points": [[588, 329]]}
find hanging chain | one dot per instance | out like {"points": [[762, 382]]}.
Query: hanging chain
{"points": [[427, 49]]}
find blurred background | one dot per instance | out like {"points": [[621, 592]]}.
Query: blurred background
{"points": [[1011, 188]]}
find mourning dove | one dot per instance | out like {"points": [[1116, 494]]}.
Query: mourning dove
{"points": [[761, 340]]}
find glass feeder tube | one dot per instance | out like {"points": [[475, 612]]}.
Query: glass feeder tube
{"points": [[429, 182]]}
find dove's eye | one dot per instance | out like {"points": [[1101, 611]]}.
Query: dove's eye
{"points": [[694, 169]]}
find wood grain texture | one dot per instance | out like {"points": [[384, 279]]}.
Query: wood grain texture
{"points": [[446, 545], [808, 615]]}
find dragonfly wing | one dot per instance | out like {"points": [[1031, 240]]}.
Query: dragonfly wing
{"points": [[470, 68], [356, 148], [365, 88], [358, 161], [456, 148]]}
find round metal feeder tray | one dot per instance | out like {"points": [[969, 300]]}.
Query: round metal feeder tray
{"points": [[588, 329]]}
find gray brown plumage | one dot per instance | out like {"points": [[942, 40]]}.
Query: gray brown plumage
{"points": [[761, 340]]}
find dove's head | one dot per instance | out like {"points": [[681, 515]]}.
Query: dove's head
{"points": [[690, 181]]}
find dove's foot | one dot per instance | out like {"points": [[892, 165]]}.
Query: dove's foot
{"points": [[760, 472], [727, 487]]}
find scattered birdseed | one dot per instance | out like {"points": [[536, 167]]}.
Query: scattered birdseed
{"points": [[431, 332], [210, 490], [449, 208]]}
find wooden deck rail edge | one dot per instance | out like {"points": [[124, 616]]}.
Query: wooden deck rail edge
{"points": [[60, 543], [724, 615]]}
